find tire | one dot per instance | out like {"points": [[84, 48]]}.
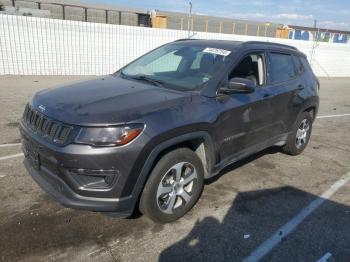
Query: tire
{"points": [[295, 145], [177, 178]]}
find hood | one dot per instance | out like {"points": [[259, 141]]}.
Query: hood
{"points": [[105, 101]]}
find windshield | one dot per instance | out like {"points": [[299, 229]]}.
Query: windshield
{"points": [[182, 67]]}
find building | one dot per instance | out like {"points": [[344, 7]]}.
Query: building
{"points": [[203, 23], [81, 11], [113, 14]]}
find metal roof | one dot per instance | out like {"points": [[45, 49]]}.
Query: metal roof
{"points": [[83, 4], [216, 18], [318, 29]]}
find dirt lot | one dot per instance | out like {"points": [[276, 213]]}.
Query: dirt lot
{"points": [[237, 213]]}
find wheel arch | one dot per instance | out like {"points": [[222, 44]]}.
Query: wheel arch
{"points": [[312, 110], [310, 105], [200, 142]]}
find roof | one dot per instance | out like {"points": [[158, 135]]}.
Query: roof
{"points": [[215, 18], [233, 45], [224, 44], [270, 44], [318, 29], [83, 4]]}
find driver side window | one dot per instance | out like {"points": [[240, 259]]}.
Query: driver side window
{"points": [[251, 67]]}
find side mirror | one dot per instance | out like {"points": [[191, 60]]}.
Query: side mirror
{"points": [[239, 85]]}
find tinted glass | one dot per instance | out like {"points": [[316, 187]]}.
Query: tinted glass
{"points": [[306, 66], [281, 67], [298, 65]]}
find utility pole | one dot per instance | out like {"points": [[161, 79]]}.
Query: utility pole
{"points": [[189, 21], [314, 44]]}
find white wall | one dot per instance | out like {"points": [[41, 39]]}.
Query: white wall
{"points": [[41, 46]]}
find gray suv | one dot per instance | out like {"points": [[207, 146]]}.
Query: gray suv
{"points": [[146, 137]]}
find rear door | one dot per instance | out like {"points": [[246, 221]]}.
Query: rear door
{"points": [[285, 83]]}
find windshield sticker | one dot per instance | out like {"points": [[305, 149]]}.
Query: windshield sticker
{"points": [[217, 51]]}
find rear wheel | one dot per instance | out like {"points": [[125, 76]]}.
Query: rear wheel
{"points": [[173, 187], [299, 138]]}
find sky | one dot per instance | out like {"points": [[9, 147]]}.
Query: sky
{"points": [[331, 14]]}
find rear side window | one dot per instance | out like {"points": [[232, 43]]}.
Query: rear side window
{"points": [[299, 68], [281, 67], [306, 66]]}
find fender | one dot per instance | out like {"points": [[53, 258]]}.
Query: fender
{"points": [[310, 102], [146, 169]]}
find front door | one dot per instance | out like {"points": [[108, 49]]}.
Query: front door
{"points": [[245, 118]]}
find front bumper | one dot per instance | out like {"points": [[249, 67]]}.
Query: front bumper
{"points": [[69, 173], [61, 192]]}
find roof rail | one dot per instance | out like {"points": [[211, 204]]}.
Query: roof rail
{"points": [[270, 43], [184, 39]]}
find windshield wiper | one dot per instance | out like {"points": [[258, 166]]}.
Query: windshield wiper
{"points": [[153, 81]]}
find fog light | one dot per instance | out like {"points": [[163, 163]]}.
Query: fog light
{"points": [[95, 179]]}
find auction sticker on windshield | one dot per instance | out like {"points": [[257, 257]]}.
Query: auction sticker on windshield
{"points": [[217, 51]]}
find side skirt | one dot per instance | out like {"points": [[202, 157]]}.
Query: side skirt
{"points": [[279, 140]]}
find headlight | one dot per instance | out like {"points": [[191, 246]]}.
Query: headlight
{"points": [[109, 136]]}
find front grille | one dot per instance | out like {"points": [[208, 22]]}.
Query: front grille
{"points": [[55, 131]]}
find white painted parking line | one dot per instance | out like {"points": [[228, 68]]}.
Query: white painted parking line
{"points": [[329, 116], [8, 145], [285, 230], [325, 257], [11, 156]]}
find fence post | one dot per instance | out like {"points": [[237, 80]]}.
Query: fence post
{"points": [[206, 25], [233, 28], [85, 11], [246, 29], [106, 16], [63, 13], [266, 25]]}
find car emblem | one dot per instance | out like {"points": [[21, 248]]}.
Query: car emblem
{"points": [[42, 108]]}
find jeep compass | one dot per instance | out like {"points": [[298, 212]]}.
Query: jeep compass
{"points": [[146, 137]]}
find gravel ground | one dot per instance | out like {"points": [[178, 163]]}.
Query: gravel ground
{"points": [[237, 212]]}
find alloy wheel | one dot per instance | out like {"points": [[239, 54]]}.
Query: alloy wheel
{"points": [[302, 133], [176, 187]]}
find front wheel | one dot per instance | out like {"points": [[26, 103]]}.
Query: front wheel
{"points": [[300, 136], [173, 187]]}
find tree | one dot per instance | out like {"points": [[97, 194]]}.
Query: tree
{"points": [[1, 7]]}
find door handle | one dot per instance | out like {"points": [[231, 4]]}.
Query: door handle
{"points": [[266, 96], [301, 87]]}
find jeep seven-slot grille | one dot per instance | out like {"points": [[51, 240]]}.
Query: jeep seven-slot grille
{"points": [[53, 130]]}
